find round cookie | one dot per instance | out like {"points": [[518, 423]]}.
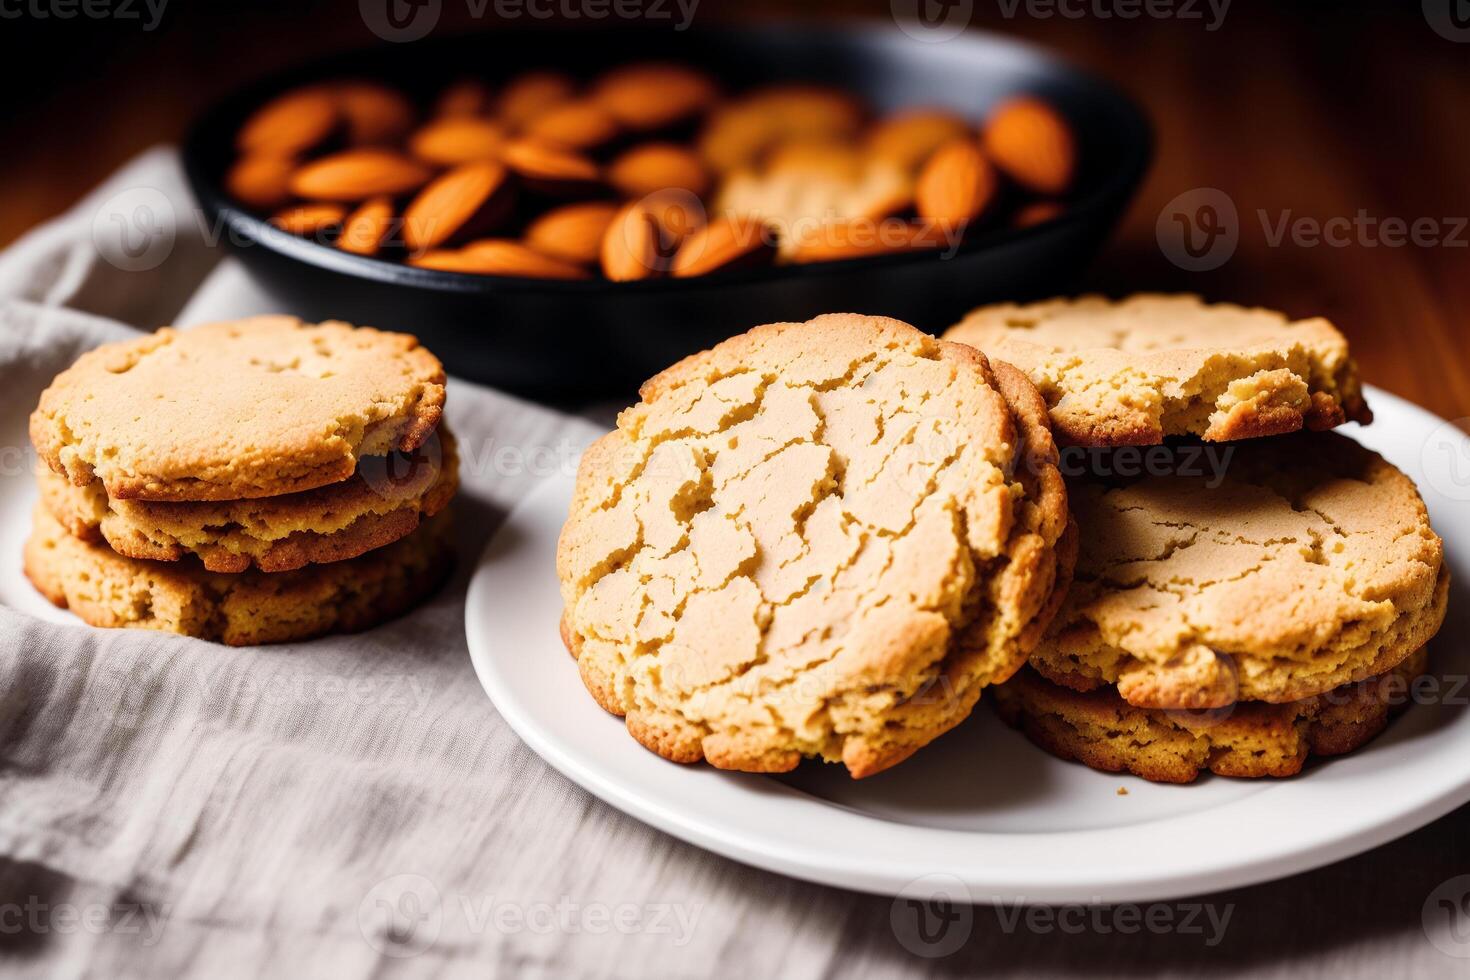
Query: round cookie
{"points": [[230, 411], [383, 502], [106, 589], [817, 539], [1249, 739], [1130, 372], [1308, 564]]}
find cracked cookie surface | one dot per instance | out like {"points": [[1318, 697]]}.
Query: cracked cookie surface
{"points": [[1131, 372], [817, 539], [106, 589], [1250, 739], [384, 501], [1311, 564], [235, 410]]}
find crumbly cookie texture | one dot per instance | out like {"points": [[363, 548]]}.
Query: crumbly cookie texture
{"points": [[236, 410], [384, 501], [1311, 564], [106, 589], [1251, 739], [1130, 372], [816, 539]]}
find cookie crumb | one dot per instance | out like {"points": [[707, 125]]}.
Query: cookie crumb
{"points": [[1122, 790]]}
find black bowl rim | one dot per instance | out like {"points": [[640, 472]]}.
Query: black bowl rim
{"points": [[1119, 184]]}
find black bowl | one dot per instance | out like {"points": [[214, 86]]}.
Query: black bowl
{"points": [[569, 339]]}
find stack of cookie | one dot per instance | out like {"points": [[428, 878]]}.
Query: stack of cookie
{"points": [[1235, 616], [817, 539], [247, 482]]}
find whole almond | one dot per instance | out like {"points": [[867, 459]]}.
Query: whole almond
{"points": [[551, 169], [658, 166], [466, 97], [530, 95], [679, 214], [1033, 144], [261, 180], [632, 247], [908, 138], [376, 115], [291, 124], [356, 175], [728, 242], [309, 219], [652, 96], [499, 257], [738, 134], [861, 238], [572, 232], [367, 227], [956, 184], [468, 200], [452, 140], [578, 125]]}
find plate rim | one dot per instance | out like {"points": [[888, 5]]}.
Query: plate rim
{"points": [[883, 873]]}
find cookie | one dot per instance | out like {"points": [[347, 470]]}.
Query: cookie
{"points": [[106, 589], [1308, 564], [1250, 740], [1130, 372], [237, 410], [817, 539], [383, 502], [805, 186]]}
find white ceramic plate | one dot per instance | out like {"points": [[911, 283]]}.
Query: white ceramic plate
{"points": [[981, 810]]}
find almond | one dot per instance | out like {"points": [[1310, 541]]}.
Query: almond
{"points": [[466, 97], [499, 257], [908, 138], [375, 114], [1033, 144], [679, 214], [577, 125], [356, 175], [452, 140], [956, 184], [261, 180], [309, 219], [367, 227], [550, 169], [726, 243], [528, 96], [739, 134], [652, 96], [291, 124], [572, 232], [632, 247], [468, 200], [859, 238], [658, 166], [1037, 213]]}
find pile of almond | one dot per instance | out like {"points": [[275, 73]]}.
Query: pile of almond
{"points": [[650, 170]]}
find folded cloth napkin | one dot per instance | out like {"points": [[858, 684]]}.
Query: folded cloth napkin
{"points": [[342, 807]]}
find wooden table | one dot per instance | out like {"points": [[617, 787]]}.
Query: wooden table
{"points": [[1307, 113]]}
